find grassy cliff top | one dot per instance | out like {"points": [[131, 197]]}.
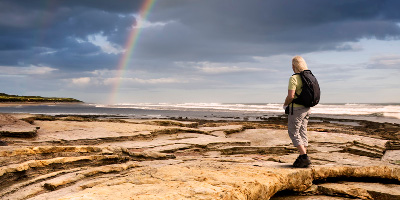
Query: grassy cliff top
{"points": [[16, 98]]}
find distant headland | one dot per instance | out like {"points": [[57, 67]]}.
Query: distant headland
{"points": [[6, 98]]}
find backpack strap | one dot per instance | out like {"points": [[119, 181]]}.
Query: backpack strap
{"points": [[295, 94], [292, 109], [295, 90]]}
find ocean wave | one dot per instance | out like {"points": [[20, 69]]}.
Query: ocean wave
{"points": [[207, 106], [378, 114], [373, 110]]}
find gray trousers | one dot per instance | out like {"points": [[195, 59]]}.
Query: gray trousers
{"points": [[297, 125]]}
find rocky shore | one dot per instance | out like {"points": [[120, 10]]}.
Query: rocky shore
{"points": [[93, 157]]}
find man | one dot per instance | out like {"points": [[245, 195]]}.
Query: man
{"points": [[299, 114]]}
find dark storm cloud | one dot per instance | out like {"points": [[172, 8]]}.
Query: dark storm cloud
{"points": [[117, 6], [31, 29], [55, 32], [228, 29]]}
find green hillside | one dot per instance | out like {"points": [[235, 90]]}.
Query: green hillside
{"points": [[15, 98]]}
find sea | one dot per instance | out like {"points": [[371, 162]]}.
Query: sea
{"points": [[389, 113]]}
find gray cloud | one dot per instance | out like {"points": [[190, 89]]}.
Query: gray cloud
{"points": [[385, 62], [238, 29], [197, 30], [180, 35]]}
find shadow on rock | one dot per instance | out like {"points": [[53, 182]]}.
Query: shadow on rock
{"points": [[2, 143]]}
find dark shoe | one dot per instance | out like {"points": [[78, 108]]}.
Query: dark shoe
{"points": [[302, 162], [3, 143]]}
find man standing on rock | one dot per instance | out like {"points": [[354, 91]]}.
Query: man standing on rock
{"points": [[299, 114]]}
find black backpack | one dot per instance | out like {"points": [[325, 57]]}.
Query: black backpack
{"points": [[310, 93]]}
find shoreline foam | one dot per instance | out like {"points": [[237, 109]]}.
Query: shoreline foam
{"points": [[380, 113]]}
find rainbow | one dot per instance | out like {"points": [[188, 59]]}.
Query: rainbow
{"points": [[130, 47]]}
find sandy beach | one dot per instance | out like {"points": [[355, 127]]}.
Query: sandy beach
{"points": [[75, 157]]}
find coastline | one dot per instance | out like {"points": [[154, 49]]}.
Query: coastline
{"points": [[252, 112], [203, 159], [11, 104]]}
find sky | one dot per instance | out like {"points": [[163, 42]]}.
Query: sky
{"points": [[177, 51]]}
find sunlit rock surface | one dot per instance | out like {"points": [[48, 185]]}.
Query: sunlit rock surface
{"points": [[78, 158]]}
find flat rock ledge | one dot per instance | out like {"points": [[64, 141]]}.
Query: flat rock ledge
{"points": [[228, 183], [11, 126], [302, 180], [105, 177], [84, 158]]}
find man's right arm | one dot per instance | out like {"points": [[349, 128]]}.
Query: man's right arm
{"points": [[289, 98]]}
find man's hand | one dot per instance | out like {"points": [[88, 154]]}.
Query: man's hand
{"points": [[289, 97]]}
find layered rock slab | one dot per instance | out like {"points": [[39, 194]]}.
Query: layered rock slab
{"points": [[11, 126], [193, 180], [361, 190], [256, 167]]}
